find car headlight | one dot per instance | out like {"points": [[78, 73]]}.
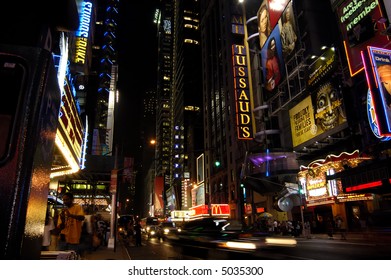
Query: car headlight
{"points": [[152, 232], [240, 245], [166, 231], [280, 241]]}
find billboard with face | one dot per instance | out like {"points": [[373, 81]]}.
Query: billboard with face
{"points": [[272, 62], [288, 31], [379, 81], [320, 113]]}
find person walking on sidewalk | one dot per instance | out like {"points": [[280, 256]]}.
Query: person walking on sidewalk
{"points": [[307, 230], [341, 227], [330, 227], [70, 222], [137, 230]]}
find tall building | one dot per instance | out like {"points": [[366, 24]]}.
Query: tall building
{"points": [[224, 153], [95, 75], [186, 99], [105, 75], [163, 92]]}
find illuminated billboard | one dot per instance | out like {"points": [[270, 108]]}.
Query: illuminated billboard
{"points": [[198, 195], [322, 68], [378, 73], [321, 113], [361, 25], [83, 32], [372, 119], [158, 196], [272, 63], [269, 13], [216, 210], [288, 31], [243, 95], [69, 136]]}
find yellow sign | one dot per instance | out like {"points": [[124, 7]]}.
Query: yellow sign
{"points": [[302, 120], [323, 114], [244, 120]]}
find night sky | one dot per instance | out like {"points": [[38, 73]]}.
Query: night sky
{"points": [[137, 60]]}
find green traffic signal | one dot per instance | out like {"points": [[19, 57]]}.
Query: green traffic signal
{"points": [[217, 163]]}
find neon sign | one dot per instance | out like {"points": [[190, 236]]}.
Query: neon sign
{"points": [[355, 11], [243, 99], [360, 28], [82, 33], [377, 63], [372, 118]]}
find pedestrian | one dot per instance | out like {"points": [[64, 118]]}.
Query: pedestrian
{"points": [[330, 227], [87, 230], [70, 222], [307, 229], [47, 231], [137, 230], [341, 227], [100, 230]]}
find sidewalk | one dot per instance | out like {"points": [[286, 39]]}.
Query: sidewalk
{"points": [[369, 237], [105, 253]]}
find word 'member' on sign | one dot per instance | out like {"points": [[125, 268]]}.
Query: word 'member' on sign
{"points": [[82, 33], [244, 120]]}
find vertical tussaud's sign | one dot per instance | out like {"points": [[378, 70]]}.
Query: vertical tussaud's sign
{"points": [[243, 98], [242, 87]]}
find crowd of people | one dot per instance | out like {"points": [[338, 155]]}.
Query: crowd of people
{"points": [[333, 227]]}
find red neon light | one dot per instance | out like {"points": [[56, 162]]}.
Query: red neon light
{"points": [[364, 186], [216, 209]]}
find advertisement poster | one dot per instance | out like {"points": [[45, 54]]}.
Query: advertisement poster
{"points": [[272, 63], [288, 32], [381, 62], [361, 25], [321, 113]]}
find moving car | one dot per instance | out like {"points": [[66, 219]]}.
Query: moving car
{"points": [[224, 235], [124, 224], [168, 229], [154, 231]]}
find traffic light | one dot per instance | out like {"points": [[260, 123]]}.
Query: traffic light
{"points": [[217, 163]]}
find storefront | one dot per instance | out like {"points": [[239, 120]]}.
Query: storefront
{"points": [[325, 197]]}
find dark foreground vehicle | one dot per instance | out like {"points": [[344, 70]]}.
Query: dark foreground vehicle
{"points": [[221, 234]]}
